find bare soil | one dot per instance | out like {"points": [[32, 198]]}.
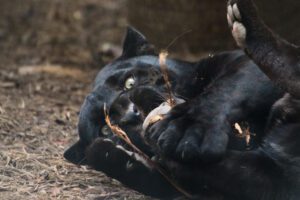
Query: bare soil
{"points": [[38, 117], [49, 50]]}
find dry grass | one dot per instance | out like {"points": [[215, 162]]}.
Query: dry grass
{"points": [[38, 121], [46, 175], [244, 132], [39, 104]]}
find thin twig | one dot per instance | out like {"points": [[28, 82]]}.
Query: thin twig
{"points": [[163, 67], [177, 37], [121, 134]]}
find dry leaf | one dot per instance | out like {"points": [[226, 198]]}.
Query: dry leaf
{"points": [[238, 128], [244, 133]]}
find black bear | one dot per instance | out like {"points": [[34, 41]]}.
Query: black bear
{"points": [[196, 142]]}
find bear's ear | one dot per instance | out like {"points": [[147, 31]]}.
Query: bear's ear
{"points": [[76, 154], [136, 44]]}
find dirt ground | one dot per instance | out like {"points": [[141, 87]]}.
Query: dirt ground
{"points": [[38, 117], [50, 54]]}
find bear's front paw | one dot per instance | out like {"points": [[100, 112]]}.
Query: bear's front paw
{"points": [[186, 138]]}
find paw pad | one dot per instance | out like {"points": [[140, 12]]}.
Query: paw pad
{"points": [[234, 21], [236, 12], [239, 33]]}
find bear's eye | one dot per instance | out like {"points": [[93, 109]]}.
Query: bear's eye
{"points": [[129, 83]]}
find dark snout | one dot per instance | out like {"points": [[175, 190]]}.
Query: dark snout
{"points": [[146, 99], [76, 153], [91, 120]]}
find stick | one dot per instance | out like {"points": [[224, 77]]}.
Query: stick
{"points": [[163, 67], [121, 134]]}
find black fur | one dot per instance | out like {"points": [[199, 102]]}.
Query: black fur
{"points": [[196, 143]]}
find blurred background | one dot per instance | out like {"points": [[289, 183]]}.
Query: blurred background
{"points": [[76, 32], [50, 52]]}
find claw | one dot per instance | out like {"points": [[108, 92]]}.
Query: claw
{"points": [[236, 12]]}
